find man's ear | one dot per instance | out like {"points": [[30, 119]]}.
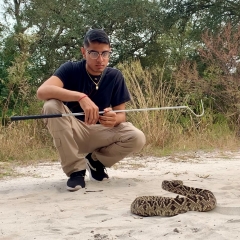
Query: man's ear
{"points": [[83, 51]]}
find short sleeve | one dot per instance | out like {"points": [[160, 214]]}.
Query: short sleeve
{"points": [[120, 91], [64, 73]]}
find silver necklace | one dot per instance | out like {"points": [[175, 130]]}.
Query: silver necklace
{"points": [[96, 84]]}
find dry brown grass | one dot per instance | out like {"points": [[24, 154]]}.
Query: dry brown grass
{"points": [[171, 130], [21, 140], [24, 143]]}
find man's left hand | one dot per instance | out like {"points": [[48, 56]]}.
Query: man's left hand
{"points": [[109, 118]]}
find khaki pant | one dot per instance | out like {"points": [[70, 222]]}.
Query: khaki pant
{"points": [[74, 139]]}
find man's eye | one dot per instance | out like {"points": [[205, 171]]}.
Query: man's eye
{"points": [[105, 54], [94, 53]]}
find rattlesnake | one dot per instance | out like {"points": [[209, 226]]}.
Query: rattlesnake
{"points": [[195, 199]]}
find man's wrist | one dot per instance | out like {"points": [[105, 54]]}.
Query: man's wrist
{"points": [[82, 97]]}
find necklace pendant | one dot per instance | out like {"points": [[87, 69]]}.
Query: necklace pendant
{"points": [[96, 87]]}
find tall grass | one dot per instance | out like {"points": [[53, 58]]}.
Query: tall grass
{"points": [[26, 141], [171, 130]]}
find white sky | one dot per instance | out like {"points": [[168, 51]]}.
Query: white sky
{"points": [[9, 22], [1, 12]]}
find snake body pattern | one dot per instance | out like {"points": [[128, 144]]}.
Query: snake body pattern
{"points": [[195, 199]]}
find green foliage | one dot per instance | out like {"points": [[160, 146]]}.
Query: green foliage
{"points": [[131, 32], [60, 27], [203, 14], [15, 91]]}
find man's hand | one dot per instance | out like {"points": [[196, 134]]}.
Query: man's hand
{"points": [[90, 109], [109, 118]]}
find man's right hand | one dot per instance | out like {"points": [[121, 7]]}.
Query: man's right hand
{"points": [[90, 109]]}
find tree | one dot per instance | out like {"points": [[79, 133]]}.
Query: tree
{"points": [[221, 53], [203, 14], [131, 32]]}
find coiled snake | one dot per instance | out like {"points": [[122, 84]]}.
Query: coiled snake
{"points": [[195, 199]]}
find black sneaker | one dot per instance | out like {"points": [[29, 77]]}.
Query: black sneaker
{"points": [[76, 181], [96, 169]]}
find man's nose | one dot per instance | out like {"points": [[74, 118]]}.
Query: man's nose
{"points": [[100, 58]]}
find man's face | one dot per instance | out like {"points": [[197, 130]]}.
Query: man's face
{"points": [[101, 51]]}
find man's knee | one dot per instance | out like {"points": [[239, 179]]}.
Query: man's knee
{"points": [[139, 139], [52, 106]]}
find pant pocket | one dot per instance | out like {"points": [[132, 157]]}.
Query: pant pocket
{"points": [[58, 144]]}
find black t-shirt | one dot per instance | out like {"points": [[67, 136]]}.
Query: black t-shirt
{"points": [[112, 89]]}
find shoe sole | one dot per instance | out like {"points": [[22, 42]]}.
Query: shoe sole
{"points": [[90, 174], [78, 187]]}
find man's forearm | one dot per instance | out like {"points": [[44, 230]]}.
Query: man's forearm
{"points": [[46, 92]]}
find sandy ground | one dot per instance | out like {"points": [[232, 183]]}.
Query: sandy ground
{"points": [[38, 206]]}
